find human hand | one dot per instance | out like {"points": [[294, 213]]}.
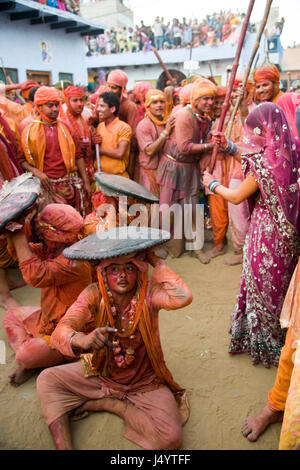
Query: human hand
{"points": [[207, 178], [45, 181], [152, 258], [170, 125], [97, 139], [218, 138], [94, 340]]}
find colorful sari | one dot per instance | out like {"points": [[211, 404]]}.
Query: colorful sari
{"points": [[272, 245]]}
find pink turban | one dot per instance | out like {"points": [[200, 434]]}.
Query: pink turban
{"points": [[60, 223], [118, 78]]}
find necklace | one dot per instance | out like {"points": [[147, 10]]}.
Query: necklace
{"points": [[126, 324]]}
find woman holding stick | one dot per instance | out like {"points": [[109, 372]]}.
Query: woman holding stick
{"points": [[270, 162]]}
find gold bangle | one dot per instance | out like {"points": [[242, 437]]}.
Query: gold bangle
{"points": [[71, 338]]}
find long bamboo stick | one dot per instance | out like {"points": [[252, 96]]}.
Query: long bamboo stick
{"points": [[232, 78], [248, 69], [172, 80]]}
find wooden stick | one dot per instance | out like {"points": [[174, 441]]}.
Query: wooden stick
{"points": [[98, 158], [232, 78], [172, 80], [248, 69]]}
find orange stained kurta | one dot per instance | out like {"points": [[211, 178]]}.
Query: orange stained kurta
{"points": [[112, 134], [285, 394], [15, 111]]}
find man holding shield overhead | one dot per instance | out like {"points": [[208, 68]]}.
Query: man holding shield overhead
{"points": [[114, 323]]}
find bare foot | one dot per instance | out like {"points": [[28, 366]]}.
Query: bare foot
{"points": [[256, 424], [234, 259], [216, 251], [19, 376], [9, 302], [208, 236], [202, 257]]}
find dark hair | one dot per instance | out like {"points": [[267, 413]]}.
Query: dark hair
{"points": [[32, 93], [95, 77], [112, 100]]}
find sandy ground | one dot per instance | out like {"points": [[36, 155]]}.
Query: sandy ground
{"points": [[222, 389]]}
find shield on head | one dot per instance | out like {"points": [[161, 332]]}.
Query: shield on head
{"points": [[16, 196], [119, 241], [115, 185]]}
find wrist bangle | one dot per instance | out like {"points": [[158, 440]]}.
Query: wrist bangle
{"points": [[71, 338], [231, 148], [213, 185], [163, 134]]}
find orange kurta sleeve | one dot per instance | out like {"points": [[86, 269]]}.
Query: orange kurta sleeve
{"points": [[15, 111], [53, 272], [167, 290], [81, 316]]}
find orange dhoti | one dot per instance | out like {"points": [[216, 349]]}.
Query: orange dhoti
{"points": [[218, 208], [285, 394], [152, 419]]}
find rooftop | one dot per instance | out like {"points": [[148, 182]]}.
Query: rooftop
{"points": [[36, 14]]}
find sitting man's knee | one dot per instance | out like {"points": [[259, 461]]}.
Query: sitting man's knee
{"points": [[172, 439]]}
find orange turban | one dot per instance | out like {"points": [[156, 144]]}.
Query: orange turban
{"points": [[221, 91], [73, 92], [249, 86], [118, 78], [202, 87], [45, 94], [60, 223], [269, 72], [185, 94], [27, 86], [151, 96]]}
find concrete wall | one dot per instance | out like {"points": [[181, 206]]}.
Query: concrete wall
{"points": [[152, 72], [110, 12], [20, 49]]}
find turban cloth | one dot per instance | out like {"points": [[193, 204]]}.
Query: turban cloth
{"points": [[73, 92], [267, 73], [153, 95], [249, 86], [202, 87], [221, 91], [118, 78], [60, 223], [44, 95], [140, 90], [185, 94], [27, 86]]}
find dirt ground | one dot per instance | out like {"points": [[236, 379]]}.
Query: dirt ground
{"points": [[222, 389]]}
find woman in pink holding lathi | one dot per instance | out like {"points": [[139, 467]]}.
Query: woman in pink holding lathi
{"points": [[270, 162]]}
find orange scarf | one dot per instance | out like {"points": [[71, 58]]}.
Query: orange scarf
{"points": [[34, 145], [96, 363]]}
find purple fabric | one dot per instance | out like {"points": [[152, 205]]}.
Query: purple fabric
{"points": [[272, 245], [273, 155]]}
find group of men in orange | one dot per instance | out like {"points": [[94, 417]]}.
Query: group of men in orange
{"points": [[163, 145]]}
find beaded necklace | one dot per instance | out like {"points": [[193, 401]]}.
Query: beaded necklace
{"points": [[123, 357]]}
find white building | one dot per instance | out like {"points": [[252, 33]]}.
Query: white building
{"points": [[43, 43], [144, 65], [113, 13]]}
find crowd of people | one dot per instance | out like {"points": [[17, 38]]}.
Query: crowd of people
{"points": [[72, 6], [216, 29], [103, 309]]}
